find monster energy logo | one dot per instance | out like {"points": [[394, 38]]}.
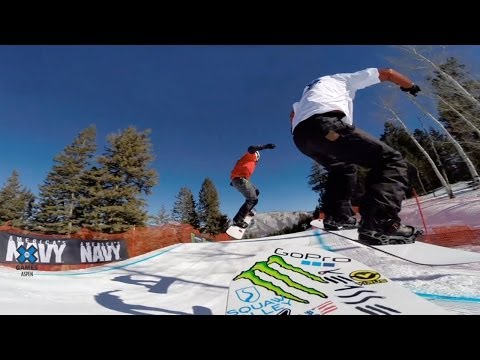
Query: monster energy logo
{"points": [[264, 267]]}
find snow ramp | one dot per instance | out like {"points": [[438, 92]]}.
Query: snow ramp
{"points": [[193, 278]]}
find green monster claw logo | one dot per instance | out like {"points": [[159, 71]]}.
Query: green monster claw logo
{"points": [[263, 266]]}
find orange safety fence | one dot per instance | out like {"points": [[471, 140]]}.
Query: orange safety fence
{"points": [[141, 240], [458, 235], [450, 236]]}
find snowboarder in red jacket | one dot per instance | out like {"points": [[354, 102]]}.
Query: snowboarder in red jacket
{"points": [[240, 180]]}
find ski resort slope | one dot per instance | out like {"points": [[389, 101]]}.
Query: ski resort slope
{"points": [[193, 278]]}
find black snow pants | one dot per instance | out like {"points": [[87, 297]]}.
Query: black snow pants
{"points": [[386, 180]]}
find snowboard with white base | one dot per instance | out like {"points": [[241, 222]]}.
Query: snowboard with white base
{"points": [[418, 252], [238, 232], [298, 280]]}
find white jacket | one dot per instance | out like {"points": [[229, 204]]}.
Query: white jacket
{"points": [[333, 92]]}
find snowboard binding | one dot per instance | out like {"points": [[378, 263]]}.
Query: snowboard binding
{"points": [[391, 233]]}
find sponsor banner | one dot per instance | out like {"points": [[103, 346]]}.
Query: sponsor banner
{"points": [[24, 249], [309, 281]]}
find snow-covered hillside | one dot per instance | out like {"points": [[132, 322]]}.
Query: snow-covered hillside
{"points": [[440, 211], [268, 223]]}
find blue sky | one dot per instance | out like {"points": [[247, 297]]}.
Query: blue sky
{"points": [[205, 104]]}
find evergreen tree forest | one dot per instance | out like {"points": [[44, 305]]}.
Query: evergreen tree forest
{"points": [[203, 214], [103, 193], [16, 202]]}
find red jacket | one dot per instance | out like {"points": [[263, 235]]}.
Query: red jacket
{"points": [[245, 166]]}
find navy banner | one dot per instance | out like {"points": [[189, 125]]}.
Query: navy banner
{"points": [[24, 249]]}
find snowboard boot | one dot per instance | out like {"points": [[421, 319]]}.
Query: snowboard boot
{"points": [[330, 223], [241, 224], [387, 232]]}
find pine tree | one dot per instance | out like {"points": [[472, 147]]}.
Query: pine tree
{"points": [[115, 188], [184, 208], [211, 220], [15, 202], [60, 200], [161, 218]]}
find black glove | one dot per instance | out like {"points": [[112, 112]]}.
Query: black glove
{"points": [[412, 90], [252, 148]]}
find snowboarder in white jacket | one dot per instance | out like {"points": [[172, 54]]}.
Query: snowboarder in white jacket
{"points": [[322, 128]]}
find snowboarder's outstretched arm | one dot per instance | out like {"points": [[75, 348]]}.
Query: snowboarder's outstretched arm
{"points": [[395, 77], [253, 148]]}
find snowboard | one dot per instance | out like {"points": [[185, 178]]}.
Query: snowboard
{"points": [[237, 232], [419, 253], [298, 280]]}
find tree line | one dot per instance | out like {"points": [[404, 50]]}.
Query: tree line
{"points": [[103, 193], [204, 214]]}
